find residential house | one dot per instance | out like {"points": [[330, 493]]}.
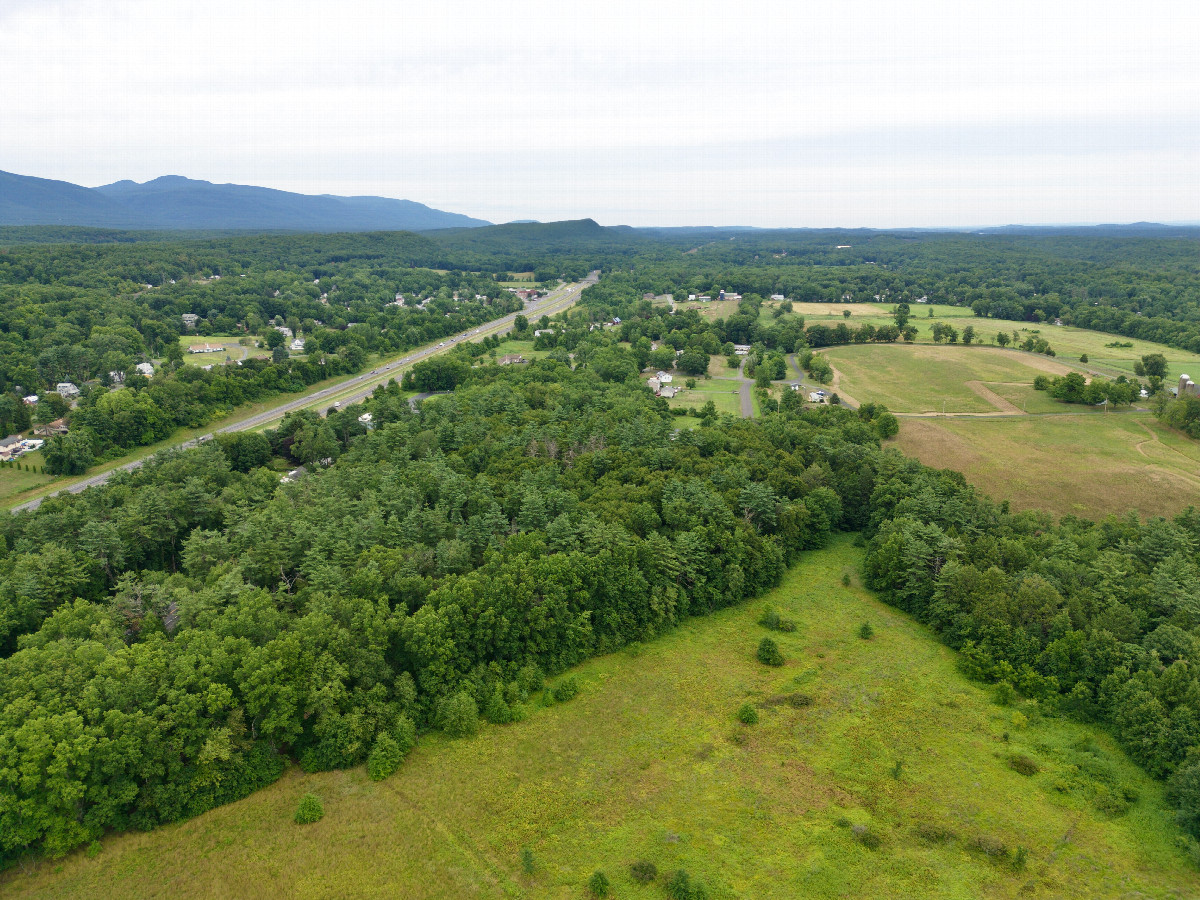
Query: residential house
{"points": [[668, 391], [367, 419], [816, 397], [205, 348], [145, 369], [795, 385], [511, 359], [741, 349], [11, 447], [539, 332], [654, 384], [190, 320], [778, 297], [116, 376], [284, 330], [66, 390], [297, 345], [665, 377], [31, 444], [58, 426], [31, 400]]}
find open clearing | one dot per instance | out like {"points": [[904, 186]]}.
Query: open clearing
{"points": [[920, 378], [1087, 465], [1068, 343], [648, 762]]}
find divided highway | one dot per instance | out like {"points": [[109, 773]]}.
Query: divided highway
{"points": [[360, 386]]}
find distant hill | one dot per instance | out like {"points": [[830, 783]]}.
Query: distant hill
{"points": [[175, 202], [521, 246]]}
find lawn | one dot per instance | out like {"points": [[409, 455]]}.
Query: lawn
{"points": [[1087, 465], [857, 740], [14, 481], [920, 378]]}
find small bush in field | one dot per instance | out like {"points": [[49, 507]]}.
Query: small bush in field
{"points": [[598, 884], [310, 810], [747, 715], [643, 871], [768, 653]]}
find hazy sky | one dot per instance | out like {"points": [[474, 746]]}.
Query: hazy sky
{"points": [[876, 112]]}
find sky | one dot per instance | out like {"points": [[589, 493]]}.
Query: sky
{"points": [[880, 113]]}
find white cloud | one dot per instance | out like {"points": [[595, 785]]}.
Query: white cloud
{"points": [[761, 113]]}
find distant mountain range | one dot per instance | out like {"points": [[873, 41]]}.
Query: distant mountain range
{"points": [[175, 202]]}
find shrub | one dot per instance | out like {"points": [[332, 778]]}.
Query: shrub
{"points": [[772, 620], [1023, 765], [866, 837], [846, 579], [768, 653], [643, 871], [681, 887], [527, 863], [898, 770], [457, 715], [598, 884], [497, 710], [866, 632], [389, 750], [310, 810], [747, 715], [1018, 860], [1005, 694], [565, 689], [1083, 357], [530, 679]]}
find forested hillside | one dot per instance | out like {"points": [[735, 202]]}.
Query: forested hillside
{"points": [[172, 638]]}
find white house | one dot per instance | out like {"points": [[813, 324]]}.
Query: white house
{"points": [[667, 391], [539, 332], [816, 397], [116, 376], [284, 330], [777, 297], [145, 369], [190, 320], [297, 345], [664, 377], [367, 419], [31, 400], [66, 390], [654, 384], [741, 349]]}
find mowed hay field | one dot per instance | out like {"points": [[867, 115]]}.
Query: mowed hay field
{"points": [[920, 378], [1087, 465], [875, 770], [1067, 342]]}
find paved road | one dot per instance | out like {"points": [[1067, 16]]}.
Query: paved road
{"points": [[359, 386]]}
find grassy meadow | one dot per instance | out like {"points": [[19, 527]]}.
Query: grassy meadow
{"points": [[874, 770], [1068, 343], [1087, 465], [919, 378]]}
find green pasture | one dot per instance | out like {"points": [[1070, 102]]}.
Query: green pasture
{"points": [[1088, 465], [920, 378]]}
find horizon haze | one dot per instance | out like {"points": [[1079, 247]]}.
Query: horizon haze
{"points": [[769, 115]]}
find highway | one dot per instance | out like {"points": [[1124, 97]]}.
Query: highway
{"points": [[354, 389]]}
